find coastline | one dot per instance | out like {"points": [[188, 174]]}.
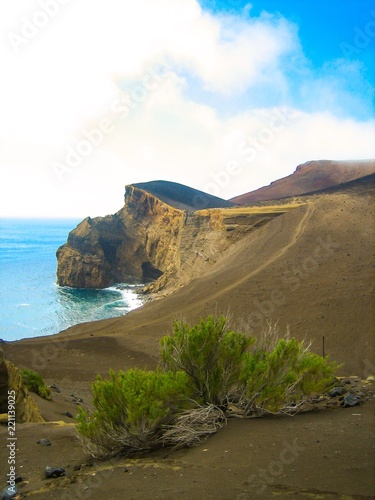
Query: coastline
{"points": [[281, 281]]}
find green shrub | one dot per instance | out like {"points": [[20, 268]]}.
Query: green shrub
{"points": [[204, 368], [210, 353], [131, 409], [276, 379], [35, 383]]}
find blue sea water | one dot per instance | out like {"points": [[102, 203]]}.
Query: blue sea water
{"points": [[31, 304]]}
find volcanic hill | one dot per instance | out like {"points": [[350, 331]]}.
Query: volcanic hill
{"points": [[305, 261], [309, 177]]}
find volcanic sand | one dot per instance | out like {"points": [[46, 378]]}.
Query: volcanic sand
{"points": [[312, 269]]}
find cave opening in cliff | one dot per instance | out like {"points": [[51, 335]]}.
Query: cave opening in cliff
{"points": [[150, 272]]}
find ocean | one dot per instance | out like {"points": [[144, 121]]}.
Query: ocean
{"points": [[31, 304]]}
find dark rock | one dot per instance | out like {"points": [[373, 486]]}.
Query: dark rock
{"points": [[18, 479], [68, 414], [350, 400], [9, 492], [44, 442], [54, 386], [336, 391], [54, 472]]}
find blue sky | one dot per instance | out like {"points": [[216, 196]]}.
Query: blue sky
{"points": [[328, 32], [221, 96], [323, 25]]}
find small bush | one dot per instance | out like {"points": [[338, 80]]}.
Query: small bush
{"points": [[276, 379], [204, 368], [131, 409], [35, 383], [210, 353]]}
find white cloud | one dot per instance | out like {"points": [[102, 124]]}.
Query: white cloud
{"points": [[97, 61]]}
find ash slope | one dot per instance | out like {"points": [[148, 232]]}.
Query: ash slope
{"points": [[311, 268]]}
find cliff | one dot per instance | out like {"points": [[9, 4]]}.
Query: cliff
{"points": [[148, 240], [167, 234], [145, 240], [11, 380]]}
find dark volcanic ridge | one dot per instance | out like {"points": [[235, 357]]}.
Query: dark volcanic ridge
{"points": [[182, 197], [308, 178]]}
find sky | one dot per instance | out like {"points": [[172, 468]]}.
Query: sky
{"points": [[221, 95]]}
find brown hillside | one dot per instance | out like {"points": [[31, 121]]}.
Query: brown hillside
{"points": [[312, 268], [309, 177]]}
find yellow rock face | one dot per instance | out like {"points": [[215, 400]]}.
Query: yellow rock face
{"points": [[150, 241], [11, 380]]}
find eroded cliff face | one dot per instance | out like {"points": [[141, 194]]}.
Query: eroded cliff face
{"points": [[137, 244], [149, 241], [11, 380]]}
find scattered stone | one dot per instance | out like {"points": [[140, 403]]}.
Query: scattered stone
{"points": [[317, 400], [54, 472], [9, 492], [44, 442], [54, 386], [350, 400], [336, 391], [68, 414]]}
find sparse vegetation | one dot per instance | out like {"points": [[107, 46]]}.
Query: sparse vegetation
{"points": [[278, 378], [211, 354], [205, 370], [131, 409], [35, 383]]}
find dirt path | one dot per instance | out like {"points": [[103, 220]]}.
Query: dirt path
{"points": [[297, 233]]}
